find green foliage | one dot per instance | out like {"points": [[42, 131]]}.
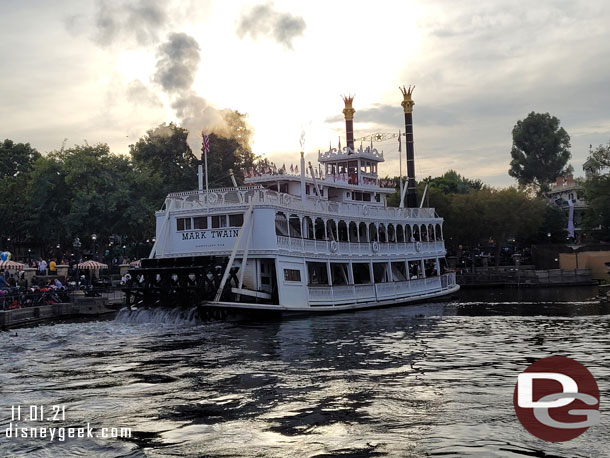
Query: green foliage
{"points": [[597, 193], [540, 151]]}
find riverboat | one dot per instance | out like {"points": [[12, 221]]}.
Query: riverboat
{"points": [[302, 239]]}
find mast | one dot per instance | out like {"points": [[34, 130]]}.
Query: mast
{"points": [[348, 112], [407, 106]]}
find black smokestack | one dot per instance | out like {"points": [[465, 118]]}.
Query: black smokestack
{"points": [[348, 112], [407, 106]]}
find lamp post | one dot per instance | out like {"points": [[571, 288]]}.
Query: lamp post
{"points": [[94, 238]]}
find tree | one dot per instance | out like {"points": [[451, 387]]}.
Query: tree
{"points": [[16, 162], [597, 193], [164, 151], [540, 151]]}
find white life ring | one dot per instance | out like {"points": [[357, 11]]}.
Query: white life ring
{"points": [[365, 210], [334, 246], [212, 198], [418, 246], [375, 246]]}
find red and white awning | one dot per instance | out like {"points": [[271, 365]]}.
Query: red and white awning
{"points": [[11, 265], [92, 265]]}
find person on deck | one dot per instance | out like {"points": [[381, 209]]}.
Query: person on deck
{"points": [[52, 267], [42, 267]]}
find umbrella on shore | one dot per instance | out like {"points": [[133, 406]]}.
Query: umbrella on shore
{"points": [[92, 265], [11, 265]]}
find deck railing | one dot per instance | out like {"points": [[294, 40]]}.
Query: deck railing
{"points": [[380, 291], [300, 245], [243, 196]]}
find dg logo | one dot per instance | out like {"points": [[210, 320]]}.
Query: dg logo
{"points": [[557, 399]]}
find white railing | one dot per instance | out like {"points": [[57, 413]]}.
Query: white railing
{"points": [[357, 248], [241, 197], [398, 290]]}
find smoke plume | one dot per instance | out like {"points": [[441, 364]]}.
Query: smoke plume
{"points": [[177, 64], [264, 20], [117, 21]]}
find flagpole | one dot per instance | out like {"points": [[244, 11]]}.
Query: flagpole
{"points": [[205, 155], [204, 148]]}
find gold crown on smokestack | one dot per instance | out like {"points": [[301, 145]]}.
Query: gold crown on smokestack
{"points": [[407, 102], [348, 111]]}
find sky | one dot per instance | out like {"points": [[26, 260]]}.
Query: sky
{"points": [[108, 71]]}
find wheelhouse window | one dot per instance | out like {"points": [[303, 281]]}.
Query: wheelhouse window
{"points": [[219, 221], [236, 220], [183, 224], [292, 275], [200, 222]]}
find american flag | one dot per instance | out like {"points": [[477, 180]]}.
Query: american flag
{"points": [[206, 143]]}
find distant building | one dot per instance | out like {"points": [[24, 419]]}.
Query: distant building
{"points": [[567, 193]]}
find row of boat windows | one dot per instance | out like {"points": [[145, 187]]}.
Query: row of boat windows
{"points": [[305, 227], [338, 273], [213, 222]]}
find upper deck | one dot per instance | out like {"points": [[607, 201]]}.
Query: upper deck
{"points": [[223, 199]]}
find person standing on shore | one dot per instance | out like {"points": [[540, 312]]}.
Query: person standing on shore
{"points": [[52, 267], [42, 267]]}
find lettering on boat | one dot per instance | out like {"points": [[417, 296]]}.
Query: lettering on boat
{"points": [[210, 234]]}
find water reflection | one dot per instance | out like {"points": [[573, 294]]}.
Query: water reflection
{"points": [[425, 380]]}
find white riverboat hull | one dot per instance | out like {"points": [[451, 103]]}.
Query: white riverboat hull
{"points": [[425, 296]]}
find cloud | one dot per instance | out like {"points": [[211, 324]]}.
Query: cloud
{"points": [[117, 21], [264, 20], [177, 64]]}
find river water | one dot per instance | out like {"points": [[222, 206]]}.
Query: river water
{"points": [[434, 379]]}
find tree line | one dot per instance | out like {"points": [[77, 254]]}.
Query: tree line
{"points": [[48, 200]]}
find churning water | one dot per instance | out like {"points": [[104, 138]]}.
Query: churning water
{"points": [[422, 380]]}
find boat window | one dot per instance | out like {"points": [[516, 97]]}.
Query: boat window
{"points": [[416, 233], [295, 226], [400, 235], [317, 273], [362, 232], [366, 196], [372, 232], [409, 234], [430, 265], [292, 275], [331, 229], [353, 232], [219, 221], [382, 233], [399, 271], [424, 233], [339, 273], [320, 231], [307, 228], [377, 198], [281, 224], [342, 231], [439, 232], [201, 222], [414, 270], [362, 274], [183, 224], [391, 234], [236, 220], [380, 272]]}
